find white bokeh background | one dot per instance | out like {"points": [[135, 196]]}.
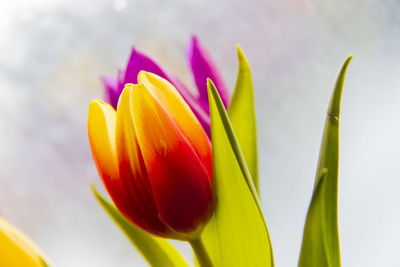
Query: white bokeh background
{"points": [[52, 53]]}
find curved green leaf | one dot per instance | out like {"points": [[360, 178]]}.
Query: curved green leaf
{"points": [[237, 234], [320, 245], [158, 252], [243, 117]]}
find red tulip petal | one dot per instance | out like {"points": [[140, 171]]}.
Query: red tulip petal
{"points": [[133, 172], [182, 115], [180, 182]]}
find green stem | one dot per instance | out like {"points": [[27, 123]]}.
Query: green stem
{"points": [[201, 252]]}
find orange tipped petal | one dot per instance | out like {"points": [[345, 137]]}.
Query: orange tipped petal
{"points": [[143, 211], [182, 115], [127, 148], [180, 182], [101, 130]]}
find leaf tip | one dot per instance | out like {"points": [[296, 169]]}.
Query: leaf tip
{"points": [[334, 105], [242, 60], [211, 87], [239, 50], [93, 188], [209, 82], [96, 193], [349, 58]]}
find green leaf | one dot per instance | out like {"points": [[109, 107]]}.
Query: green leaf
{"points": [[237, 234], [320, 245], [44, 263], [243, 117], [157, 251]]}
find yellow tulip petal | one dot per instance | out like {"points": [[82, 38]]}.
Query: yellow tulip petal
{"points": [[101, 130], [16, 249], [127, 148], [180, 112]]}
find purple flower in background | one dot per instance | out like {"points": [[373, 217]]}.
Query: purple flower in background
{"points": [[202, 68]]}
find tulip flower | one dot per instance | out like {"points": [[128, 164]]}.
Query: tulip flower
{"points": [[154, 158], [201, 65], [16, 249]]}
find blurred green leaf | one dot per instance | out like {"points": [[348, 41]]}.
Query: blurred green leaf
{"points": [[158, 252], [44, 263], [320, 245], [243, 117], [237, 234]]}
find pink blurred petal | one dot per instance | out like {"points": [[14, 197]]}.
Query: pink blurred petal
{"points": [[111, 90], [202, 68], [139, 61]]}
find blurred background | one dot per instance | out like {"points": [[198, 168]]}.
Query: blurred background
{"points": [[53, 52]]}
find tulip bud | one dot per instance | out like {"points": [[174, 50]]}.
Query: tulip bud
{"points": [[16, 249], [154, 158], [201, 65]]}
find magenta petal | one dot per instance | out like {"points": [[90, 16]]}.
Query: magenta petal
{"points": [[202, 68], [111, 90], [139, 61]]}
